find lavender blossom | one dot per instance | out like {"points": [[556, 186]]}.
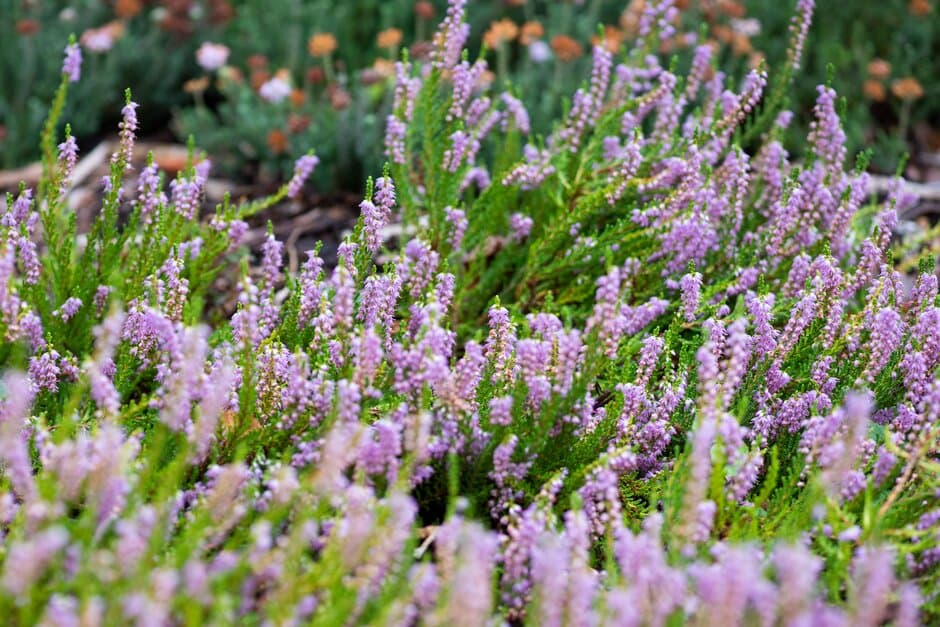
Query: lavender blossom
{"points": [[302, 171], [521, 226], [128, 132], [690, 284], [72, 65]]}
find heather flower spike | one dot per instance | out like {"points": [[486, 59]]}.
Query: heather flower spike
{"points": [[302, 171], [72, 65]]}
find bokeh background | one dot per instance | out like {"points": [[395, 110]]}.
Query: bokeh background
{"points": [[260, 82]]}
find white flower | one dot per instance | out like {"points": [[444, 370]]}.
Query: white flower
{"points": [[275, 90], [212, 56], [540, 51]]}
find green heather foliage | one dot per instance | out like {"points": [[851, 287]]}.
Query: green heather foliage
{"points": [[645, 369]]}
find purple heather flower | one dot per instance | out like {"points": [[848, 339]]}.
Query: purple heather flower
{"points": [[27, 559], [521, 226], [102, 390], [68, 157], [464, 77], [44, 371], [501, 411], [395, 132], [477, 177], [873, 578], [516, 114], [149, 195], [14, 448], [72, 65], [630, 160], [186, 194], [457, 220], [451, 36], [700, 65], [61, 611], [601, 497], [500, 342], [128, 132], [887, 329], [375, 215], [461, 146], [182, 382], [826, 135], [799, 27], [909, 603], [658, 15], [29, 259], [68, 309], [690, 285], [20, 211], [303, 168]]}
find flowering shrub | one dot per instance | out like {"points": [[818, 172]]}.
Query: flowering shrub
{"points": [[642, 372]]}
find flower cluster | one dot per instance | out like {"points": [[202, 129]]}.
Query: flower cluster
{"points": [[664, 377]]}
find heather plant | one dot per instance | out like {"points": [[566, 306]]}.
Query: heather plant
{"points": [[881, 61], [646, 369]]}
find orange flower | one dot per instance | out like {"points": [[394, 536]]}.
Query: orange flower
{"points": [[258, 62], [630, 18], [731, 8], [229, 74], [613, 37], [741, 44], [874, 90], [424, 10], [277, 141], [389, 38], [103, 38], [220, 11], [315, 75], [421, 50], [321, 44], [500, 32], [196, 85], [297, 97], [919, 8], [339, 97], [259, 78], [370, 76], [384, 68], [531, 31], [127, 8], [297, 123], [907, 88], [756, 60], [723, 33], [879, 69], [27, 27], [566, 48]]}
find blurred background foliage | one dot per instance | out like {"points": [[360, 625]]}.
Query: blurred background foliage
{"points": [[332, 64]]}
